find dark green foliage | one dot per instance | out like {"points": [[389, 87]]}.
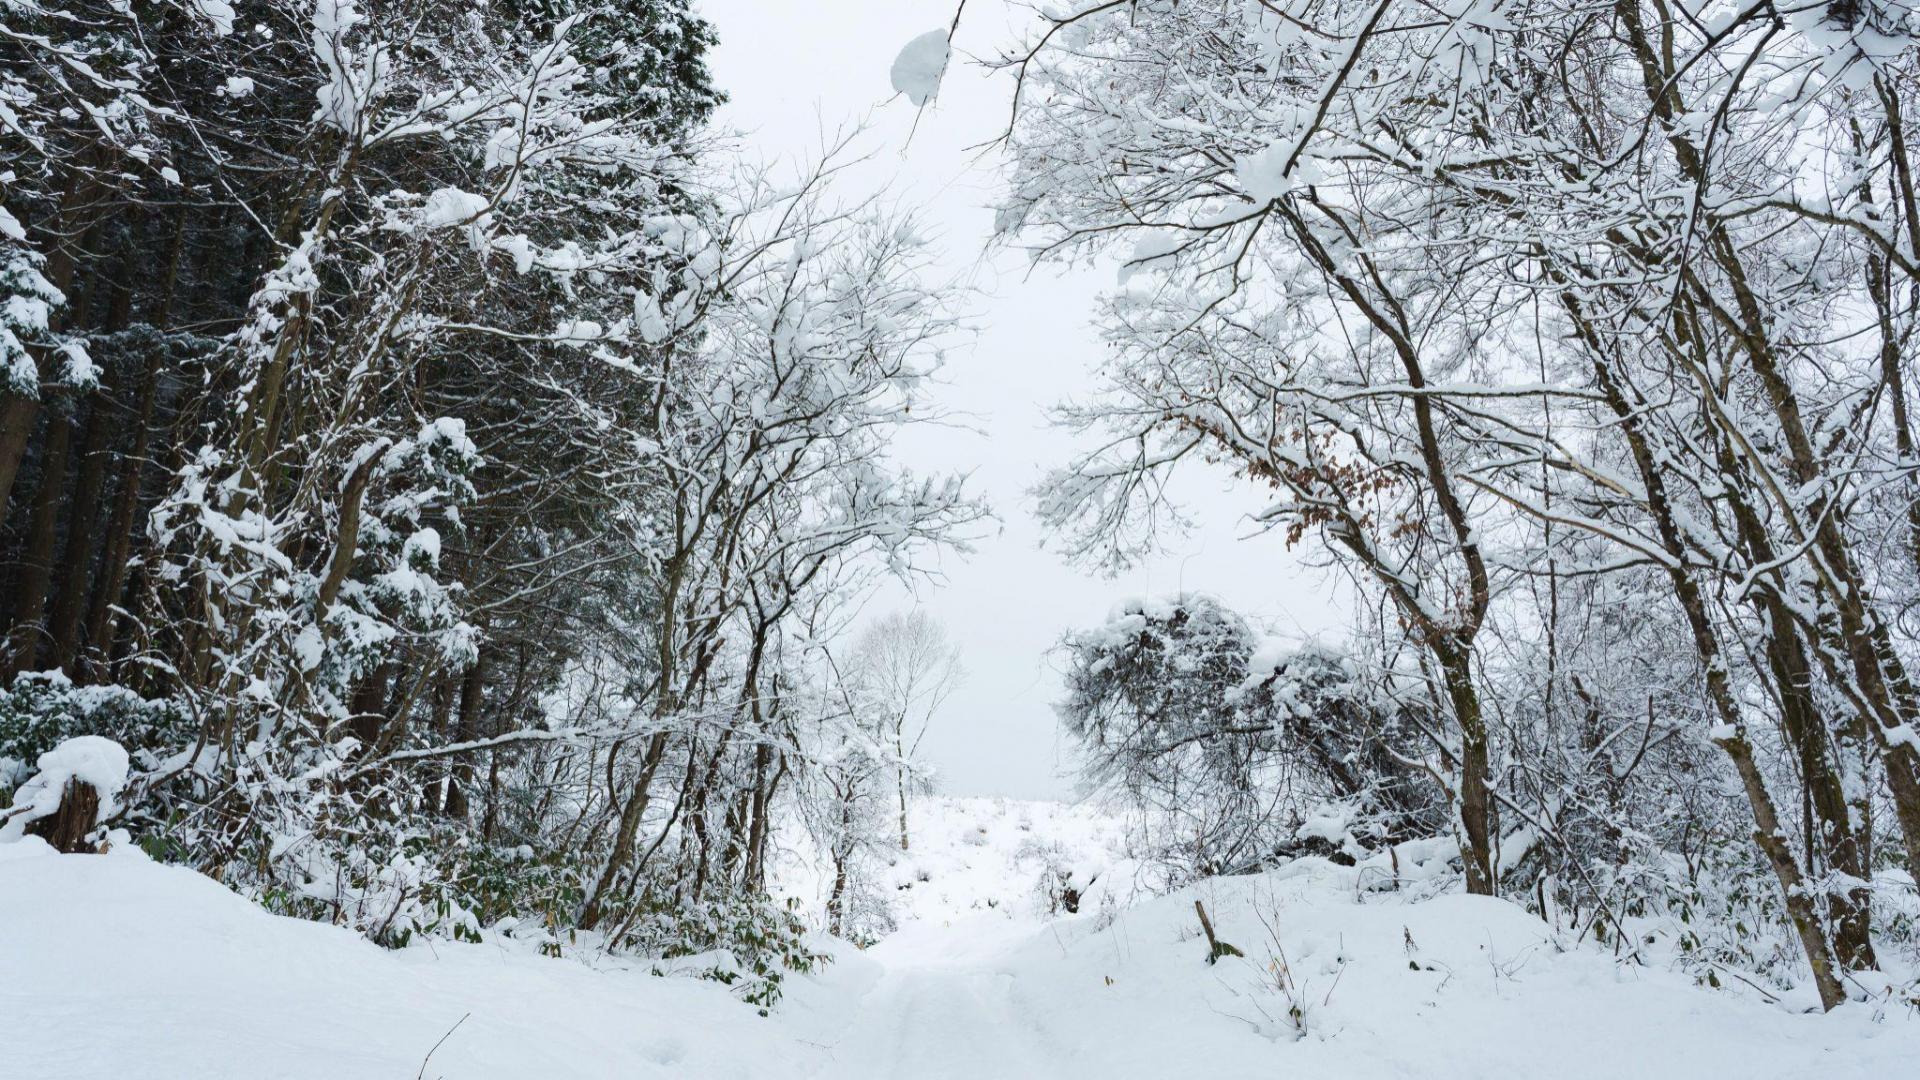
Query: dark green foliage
{"points": [[1219, 950], [755, 941], [652, 52], [39, 711]]}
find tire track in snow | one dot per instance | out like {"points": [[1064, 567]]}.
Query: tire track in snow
{"points": [[951, 1017]]}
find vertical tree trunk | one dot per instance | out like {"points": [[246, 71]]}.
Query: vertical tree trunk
{"points": [[17, 415], [367, 707], [112, 582], [119, 535], [76, 562], [1730, 733], [1476, 802], [1849, 911], [900, 751], [757, 816], [472, 692], [27, 637], [443, 687], [490, 821], [628, 831], [842, 858]]}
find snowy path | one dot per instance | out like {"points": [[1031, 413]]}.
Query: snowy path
{"points": [[947, 1007]]}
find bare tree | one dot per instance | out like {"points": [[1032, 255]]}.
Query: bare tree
{"points": [[908, 667]]}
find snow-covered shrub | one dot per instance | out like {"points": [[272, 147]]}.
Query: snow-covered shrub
{"points": [[1061, 882], [751, 943], [1230, 748], [40, 710]]}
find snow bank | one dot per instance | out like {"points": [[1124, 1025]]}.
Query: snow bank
{"points": [[124, 968], [1336, 981], [120, 967]]}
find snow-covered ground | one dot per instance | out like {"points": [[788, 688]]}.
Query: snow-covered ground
{"points": [[971, 856], [117, 967]]}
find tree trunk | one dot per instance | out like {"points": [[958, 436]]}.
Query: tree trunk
{"points": [[17, 415], [18, 412], [112, 584], [82, 541], [442, 713], [628, 832], [27, 637], [1476, 802], [1850, 911], [842, 858], [460, 777], [1730, 736], [757, 817], [900, 751]]}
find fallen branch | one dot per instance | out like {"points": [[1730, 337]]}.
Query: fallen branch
{"points": [[1215, 947]]}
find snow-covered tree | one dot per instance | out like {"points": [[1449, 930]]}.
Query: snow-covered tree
{"points": [[424, 452], [1500, 298]]}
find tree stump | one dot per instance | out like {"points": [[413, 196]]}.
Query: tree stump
{"points": [[68, 827]]}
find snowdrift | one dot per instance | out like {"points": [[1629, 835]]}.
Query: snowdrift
{"points": [[1338, 983], [120, 968]]}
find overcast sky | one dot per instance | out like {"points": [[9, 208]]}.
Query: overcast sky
{"points": [[794, 69]]}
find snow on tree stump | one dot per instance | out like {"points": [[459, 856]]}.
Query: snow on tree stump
{"points": [[68, 827], [71, 794]]}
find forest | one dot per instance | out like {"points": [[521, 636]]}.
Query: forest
{"points": [[449, 491]]}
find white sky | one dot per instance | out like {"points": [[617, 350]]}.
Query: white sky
{"points": [[794, 68]]}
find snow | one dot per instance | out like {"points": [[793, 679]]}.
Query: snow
{"points": [[183, 978], [981, 856], [1267, 658], [452, 206], [91, 759], [1263, 174], [120, 967], [917, 70], [217, 13]]}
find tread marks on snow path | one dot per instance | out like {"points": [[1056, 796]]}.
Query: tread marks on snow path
{"points": [[945, 1023]]}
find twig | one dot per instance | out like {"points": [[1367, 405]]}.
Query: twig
{"points": [[423, 1061]]}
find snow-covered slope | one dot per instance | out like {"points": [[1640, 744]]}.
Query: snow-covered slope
{"points": [[972, 855], [1450, 987], [1334, 981], [119, 968]]}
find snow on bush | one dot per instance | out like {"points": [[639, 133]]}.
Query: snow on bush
{"points": [[917, 70], [91, 759]]}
